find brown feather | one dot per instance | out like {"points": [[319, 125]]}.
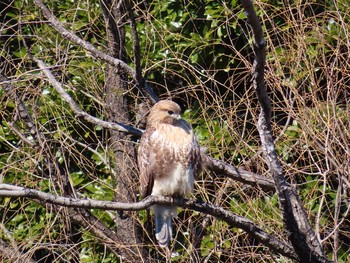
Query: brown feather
{"points": [[166, 142], [169, 158]]}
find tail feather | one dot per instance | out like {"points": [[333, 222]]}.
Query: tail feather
{"points": [[163, 218]]}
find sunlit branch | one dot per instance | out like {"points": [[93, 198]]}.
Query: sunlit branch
{"points": [[240, 175], [119, 64], [76, 109], [230, 218], [300, 233]]}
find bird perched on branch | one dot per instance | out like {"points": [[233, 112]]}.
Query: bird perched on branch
{"points": [[169, 159]]}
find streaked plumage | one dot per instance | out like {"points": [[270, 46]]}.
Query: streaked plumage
{"points": [[169, 160]]}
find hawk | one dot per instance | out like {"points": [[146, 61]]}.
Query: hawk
{"points": [[169, 161]]}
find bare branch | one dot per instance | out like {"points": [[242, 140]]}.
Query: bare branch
{"points": [[75, 108], [119, 64], [241, 222], [301, 235], [230, 218], [238, 174], [16, 191], [11, 254], [22, 109], [84, 44]]}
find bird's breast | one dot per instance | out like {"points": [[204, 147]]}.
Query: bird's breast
{"points": [[177, 182], [174, 170]]}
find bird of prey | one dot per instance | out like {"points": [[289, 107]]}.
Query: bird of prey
{"points": [[169, 160]]}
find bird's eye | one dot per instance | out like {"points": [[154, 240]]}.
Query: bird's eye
{"points": [[170, 112]]}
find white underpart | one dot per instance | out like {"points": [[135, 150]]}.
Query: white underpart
{"points": [[154, 135], [180, 182]]}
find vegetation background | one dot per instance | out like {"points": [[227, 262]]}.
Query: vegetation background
{"points": [[199, 54]]}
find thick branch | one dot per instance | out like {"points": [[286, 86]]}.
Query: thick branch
{"points": [[239, 175], [259, 45], [119, 64], [301, 235], [136, 44], [241, 222], [16, 191], [230, 218]]}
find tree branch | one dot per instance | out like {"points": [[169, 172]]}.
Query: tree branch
{"points": [[16, 191], [230, 218], [76, 109], [79, 216], [22, 109], [11, 254], [243, 223], [119, 64], [300, 233], [238, 174], [136, 44]]}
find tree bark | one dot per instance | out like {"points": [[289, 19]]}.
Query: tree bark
{"points": [[298, 228], [117, 107]]}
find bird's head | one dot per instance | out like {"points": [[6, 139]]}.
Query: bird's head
{"points": [[164, 111]]}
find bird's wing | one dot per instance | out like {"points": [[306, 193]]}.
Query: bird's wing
{"points": [[146, 161]]}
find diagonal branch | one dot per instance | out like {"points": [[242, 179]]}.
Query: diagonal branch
{"points": [[76, 109], [119, 64], [301, 235], [239, 174], [230, 218], [243, 223], [22, 109]]}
